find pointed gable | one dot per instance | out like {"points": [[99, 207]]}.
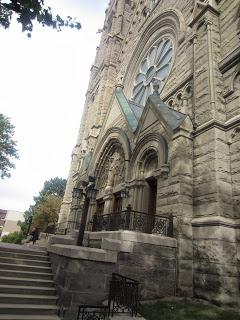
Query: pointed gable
{"points": [[169, 116], [158, 111], [131, 111]]}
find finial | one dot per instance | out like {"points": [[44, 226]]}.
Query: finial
{"points": [[156, 87]]}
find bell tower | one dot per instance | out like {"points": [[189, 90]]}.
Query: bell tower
{"points": [[102, 82]]}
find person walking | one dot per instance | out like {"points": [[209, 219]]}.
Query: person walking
{"points": [[35, 235]]}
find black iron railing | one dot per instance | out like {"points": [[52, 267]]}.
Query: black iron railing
{"points": [[67, 227], [133, 221], [123, 295], [91, 312]]}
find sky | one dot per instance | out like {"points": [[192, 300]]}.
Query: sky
{"points": [[43, 84]]}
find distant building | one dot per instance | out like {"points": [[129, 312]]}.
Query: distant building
{"points": [[9, 221], [3, 214]]}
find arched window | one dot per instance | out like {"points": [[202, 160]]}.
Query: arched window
{"points": [[155, 66]]}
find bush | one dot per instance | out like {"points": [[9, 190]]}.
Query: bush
{"points": [[15, 237]]}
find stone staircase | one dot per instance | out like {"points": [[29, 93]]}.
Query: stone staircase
{"points": [[26, 284]]}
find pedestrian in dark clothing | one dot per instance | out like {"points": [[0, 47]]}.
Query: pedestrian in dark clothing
{"points": [[35, 235]]}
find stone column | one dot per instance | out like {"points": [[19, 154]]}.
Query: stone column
{"points": [[175, 197]]}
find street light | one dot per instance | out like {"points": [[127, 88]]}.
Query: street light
{"points": [[77, 193], [89, 192], [124, 193]]}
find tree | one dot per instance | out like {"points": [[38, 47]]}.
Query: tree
{"points": [[28, 11], [47, 205], [55, 186], [8, 150], [46, 213]]}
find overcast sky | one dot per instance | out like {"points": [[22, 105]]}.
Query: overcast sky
{"points": [[42, 89]]}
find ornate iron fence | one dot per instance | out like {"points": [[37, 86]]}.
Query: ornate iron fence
{"points": [[88, 312], [123, 295], [134, 221], [67, 226]]}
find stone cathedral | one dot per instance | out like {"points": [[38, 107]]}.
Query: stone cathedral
{"points": [[160, 134]]}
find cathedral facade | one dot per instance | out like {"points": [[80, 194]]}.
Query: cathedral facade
{"points": [[160, 134]]}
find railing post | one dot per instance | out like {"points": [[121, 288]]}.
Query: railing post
{"points": [[128, 217]]}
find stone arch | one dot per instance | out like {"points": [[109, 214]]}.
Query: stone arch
{"points": [[150, 144], [148, 161], [168, 23], [114, 146]]}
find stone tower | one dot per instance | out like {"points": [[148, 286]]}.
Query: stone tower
{"points": [[102, 82], [176, 154]]}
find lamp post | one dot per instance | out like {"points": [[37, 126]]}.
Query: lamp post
{"points": [[89, 192]]}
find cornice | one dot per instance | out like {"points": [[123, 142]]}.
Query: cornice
{"points": [[224, 126], [213, 221], [230, 60], [207, 8]]}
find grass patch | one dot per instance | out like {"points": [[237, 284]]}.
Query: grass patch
{"points": [[185, 310]]}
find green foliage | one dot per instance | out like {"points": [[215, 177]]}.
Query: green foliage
{"points": [[186, 310], [55, 187], [33, 10], [47, 211], [8, 150], [15, 237], [47, 205]]}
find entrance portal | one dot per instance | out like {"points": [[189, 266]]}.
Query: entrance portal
{"points": [[151, 209]]}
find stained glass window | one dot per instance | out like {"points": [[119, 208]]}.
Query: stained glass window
{"points": [[155, 67]]}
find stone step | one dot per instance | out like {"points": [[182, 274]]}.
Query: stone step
{"points": [[23, 267], [25, 274], [24, 261], [26, 282], [31, 309], [27, 299], [21, 249], [28, 290], [27, 317], [30, 256]]}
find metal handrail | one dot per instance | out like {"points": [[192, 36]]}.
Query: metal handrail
{"points": [[134, 221], [123, 295]]}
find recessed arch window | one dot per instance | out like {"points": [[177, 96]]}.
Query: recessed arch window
{"points": [[155, 66]]}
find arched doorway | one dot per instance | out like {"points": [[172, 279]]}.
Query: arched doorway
{"points": [[150, 164]]}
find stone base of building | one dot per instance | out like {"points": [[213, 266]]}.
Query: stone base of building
{"points": [[216, 259], [82, 274]]}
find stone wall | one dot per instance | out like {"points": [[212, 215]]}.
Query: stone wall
{"points": [[216, 274], [82, 274]]}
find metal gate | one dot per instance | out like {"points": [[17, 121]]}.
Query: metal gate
{"points": [[123, 295]]}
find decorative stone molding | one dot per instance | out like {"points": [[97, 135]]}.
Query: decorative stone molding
{"points": [[182, 99], [169, 22], [234, 134], [162, 172]]}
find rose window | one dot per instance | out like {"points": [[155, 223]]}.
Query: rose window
{"points": [[155, 67]]}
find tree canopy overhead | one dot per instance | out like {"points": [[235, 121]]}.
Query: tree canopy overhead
{"points": [[29, 11], [54, 187], [8, 151]]}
